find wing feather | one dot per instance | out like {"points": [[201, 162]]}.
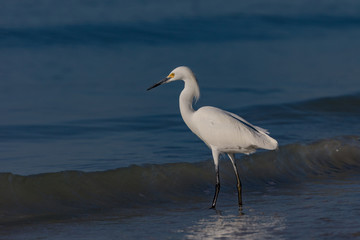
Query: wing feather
{"points": [[224, 130]]}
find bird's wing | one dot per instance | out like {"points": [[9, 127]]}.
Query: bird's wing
{"points": [[243, 121], [226, 130]]}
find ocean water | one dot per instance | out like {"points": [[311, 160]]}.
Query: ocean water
{"points": [[87, 153]]}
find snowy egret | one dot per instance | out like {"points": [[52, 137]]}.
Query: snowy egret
{"points": [[221, 131]]}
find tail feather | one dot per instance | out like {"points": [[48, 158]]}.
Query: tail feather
{"points": [[264, 141], [268, 142]]}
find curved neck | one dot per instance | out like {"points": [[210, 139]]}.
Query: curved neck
{"points": [[190, 91]]}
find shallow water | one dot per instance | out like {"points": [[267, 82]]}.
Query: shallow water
{"points": [[87, 153], [313, 210]]}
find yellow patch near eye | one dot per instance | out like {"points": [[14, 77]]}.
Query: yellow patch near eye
{"points": [[171, 75]]}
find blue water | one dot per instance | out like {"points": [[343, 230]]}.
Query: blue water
{"points": [[73, 104]]}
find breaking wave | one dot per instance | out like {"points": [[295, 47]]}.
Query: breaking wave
{"points": [[69, 192]]}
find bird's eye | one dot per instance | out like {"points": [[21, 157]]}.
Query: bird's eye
{"points": [[171, 75]]}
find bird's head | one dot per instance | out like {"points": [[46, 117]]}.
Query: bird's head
{"points": [[179, 73]]}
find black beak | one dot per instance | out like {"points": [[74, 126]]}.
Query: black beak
{"points": [[158, 84]]}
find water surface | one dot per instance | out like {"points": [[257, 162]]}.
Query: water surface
{"points": [[87, 153]]}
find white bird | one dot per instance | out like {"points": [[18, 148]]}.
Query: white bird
{"points": [[221, 131]]}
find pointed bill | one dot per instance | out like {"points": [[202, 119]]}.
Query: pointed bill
{"points": [[158, 84]]}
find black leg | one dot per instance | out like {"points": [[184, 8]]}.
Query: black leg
{"points": [[215, 154], [239, 189], [217, 188]]}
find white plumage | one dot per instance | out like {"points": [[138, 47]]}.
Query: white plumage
{"points": [[222, 131], [229, 133]]}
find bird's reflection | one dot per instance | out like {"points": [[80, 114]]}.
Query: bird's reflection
{"points": [[237, 225]]}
